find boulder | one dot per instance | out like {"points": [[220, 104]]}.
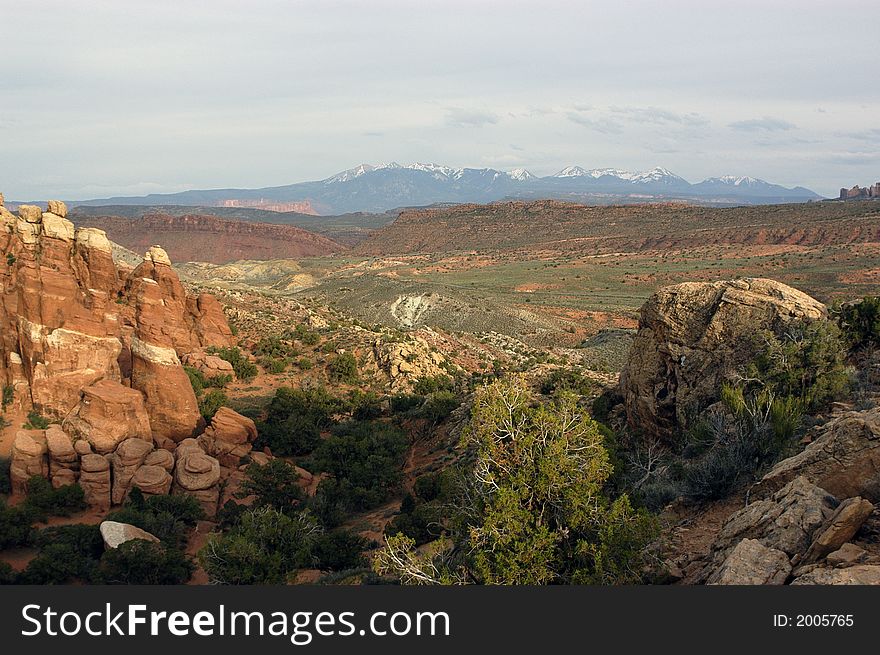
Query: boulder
{"points": [[161, 458], [28, 458], [152, 480], [229, 437], [94, 478], [197, 474], [860, 574], [839, 528], [56, 227], [58, 208], [126, 460], [210, 366], [691, 337], [107, 414], [752, 563], [30, 213], [846, 555], [843, 459], [63, 458], [115, 534]]}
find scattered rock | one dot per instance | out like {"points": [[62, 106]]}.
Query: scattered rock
{"points": [[860, 574], [839, 528], [786, 522], [846, 555]]}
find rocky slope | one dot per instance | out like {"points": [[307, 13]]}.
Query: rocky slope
{"points": [[199, 237]]}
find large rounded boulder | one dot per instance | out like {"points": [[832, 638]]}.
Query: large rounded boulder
{"points": [[692, 337]]}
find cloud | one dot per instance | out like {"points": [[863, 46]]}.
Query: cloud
{"points": [[660, 116], [852, 158], [603, 124], [766, 124], [459, 117]]}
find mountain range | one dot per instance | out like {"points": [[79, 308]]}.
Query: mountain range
{"points": [[379, 188]]}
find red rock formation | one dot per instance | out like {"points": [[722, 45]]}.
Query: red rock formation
{"points": [[76, 331]]}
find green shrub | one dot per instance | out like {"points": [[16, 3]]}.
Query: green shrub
{"points": [[5, 476], [16, 525], [274, 485], [531, 507], [296, 417], [60, 563], [211, 402], [439, 405], [169, 518], [273, 366], [140, 562], [305, 364], [244, 368], [365, 461], [860, 322], [808, 361], [343, 369], [263, 547], [196, 379], [365, 405], [433, 384], [47, 501], [306, 336], [36, 421], [403, 403], [567, 380], [8, 396], [7, 574], [339, 550]]}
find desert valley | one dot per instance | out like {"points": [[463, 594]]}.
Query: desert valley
{"points": [[236, 395]]}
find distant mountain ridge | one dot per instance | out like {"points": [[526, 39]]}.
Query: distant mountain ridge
{"points": [[381, 187]]}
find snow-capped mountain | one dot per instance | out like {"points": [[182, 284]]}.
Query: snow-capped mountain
{"points": [[380, 187]]}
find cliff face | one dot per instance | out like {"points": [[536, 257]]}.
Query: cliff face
{"points": [[211, 239], [69, 319]]}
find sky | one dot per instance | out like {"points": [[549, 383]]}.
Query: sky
{"points": [[128, 98]]}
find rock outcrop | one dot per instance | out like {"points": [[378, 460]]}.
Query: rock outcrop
{"points": [[63, 458], [210, 366], [843, 458], [407, 362], [28, 458], [197, 474], [800, 533], [94, 478], [69, 318], [692, 337], [126, 461], [229, 437], [107, 414]]}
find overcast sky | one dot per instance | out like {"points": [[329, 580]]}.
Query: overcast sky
{"points": [[118, 97]]}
